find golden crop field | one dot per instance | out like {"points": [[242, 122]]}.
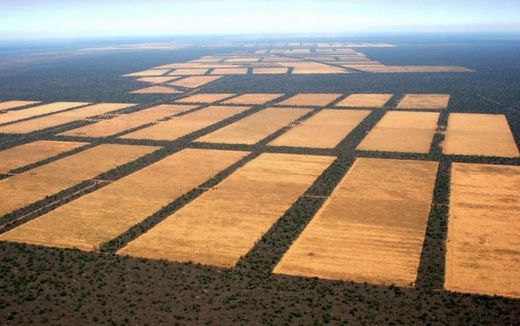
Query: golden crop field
{"points": [[120, 123], [479, 134], [34, 111], [224, 223], [29, 153], [483, 230], [61, 118], [82, 224], [25, 188], [310, 99], [365, 100], [424, 101], [253, 98], [371, 229], [205, 98], [186, 124], [402, 132], [323, 130], [7, 105], [255, 127]]}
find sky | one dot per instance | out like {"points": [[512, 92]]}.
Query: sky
{"points": [[41, 19]]}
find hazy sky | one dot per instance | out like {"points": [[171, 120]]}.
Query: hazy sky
{"points": [[95, 18]]}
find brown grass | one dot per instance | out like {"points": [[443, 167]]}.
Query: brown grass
{"points": [[224, 223], [424, 101], [365, 100], [253, 98], [372, 227], [62, 118], [229, 71], [186, 124], [26, 154], [323, 130], [254, 128], [124, 122], [483, 231], [15, 104], [310, 99], [205, 98], [156, 90], [402, 132], [11, 116], [195, 81], [100, 216], [27, 187], [268, 71], [479, 134]]}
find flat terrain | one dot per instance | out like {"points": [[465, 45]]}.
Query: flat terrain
{"points": [[326, 129], [424, 101], [402, 132], [20, 156], [365, 100], [479, 134], [185, 124], [225, 222], [81, 224], [205, 98], [253, 98], [311, 99], [25, 188], [371, 229], [15, 115], [483, 230], [15, 104], [255, 127]]}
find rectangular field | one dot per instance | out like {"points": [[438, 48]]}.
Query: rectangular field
{"points": [[186, 124], [310, 99], [269, 71], [22, 155], [205, 98], [156, 90], [7, 105], [189, 72], [424, 101], [479, 134], [224, 223], [25, 188], [11, 116], [194, 81], [483, 246], [229, 71], [402, 132], [250, 130], [100, 216], [128, 121], [326, 129], [371, 229], [253, 98], [62, 118], [365, 100]]}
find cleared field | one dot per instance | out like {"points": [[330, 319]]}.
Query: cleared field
{"points": [[205, 98], [479, 134], [149, 72], [194, 81], [15, 104], [156, 80], [12, 116], [253, 98], [402, 132], [102, 215], [224, 223], [128, 121], [310, 99], [25, 188], [156, 90], [62, 118], [250, 130], [483, 246], [22, 155], [268, 71], [229, 71], [189, 71], [186, 124], [424, 101], [326, 129], [372, 227], [365, 100]]}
